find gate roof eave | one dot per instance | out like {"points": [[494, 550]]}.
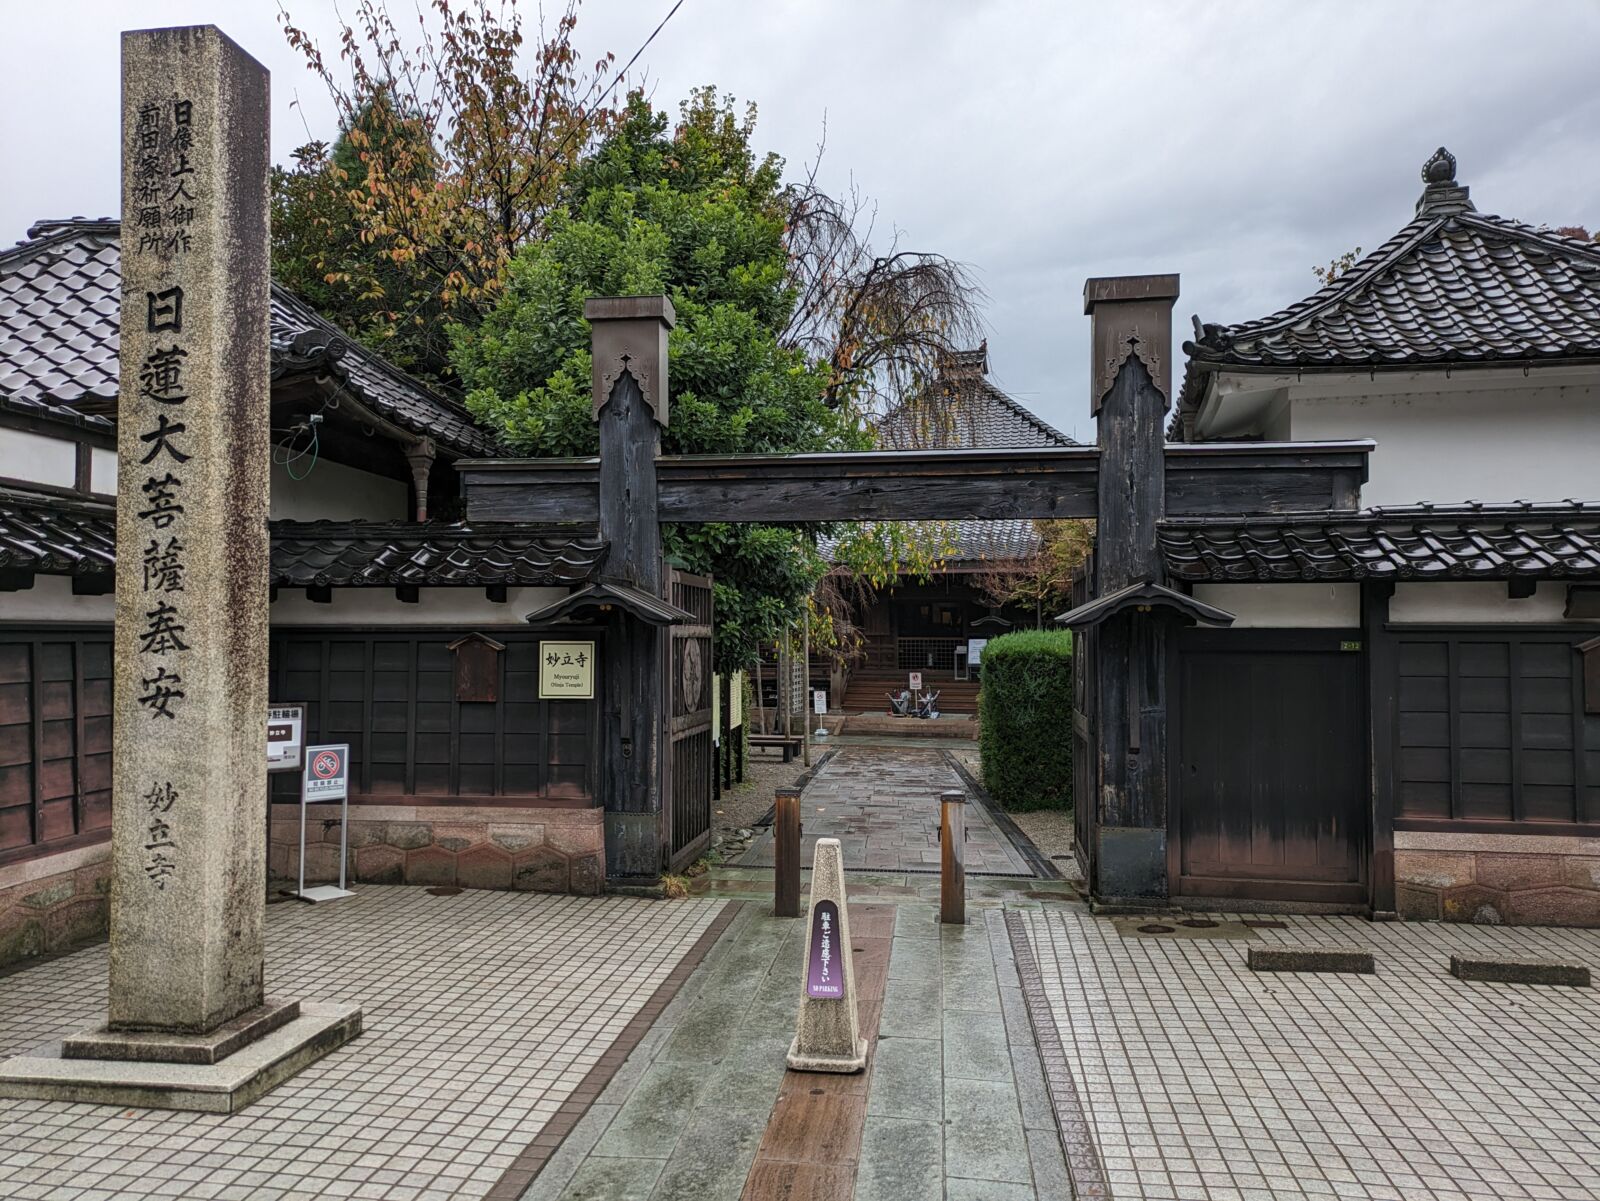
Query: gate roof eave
{"points": [[1140, 598], [651, 610]]}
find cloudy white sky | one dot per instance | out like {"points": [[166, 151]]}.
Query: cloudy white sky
{"points": [[1041, 143]]}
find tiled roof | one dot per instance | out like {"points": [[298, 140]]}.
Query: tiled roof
{"points": [[60, 297], [1453, 286], [60, 414], [963, 409], [393, 395], [986, 541], [384, 554], [56, 536], [975, 542], [60, 300], [1464, 542]]}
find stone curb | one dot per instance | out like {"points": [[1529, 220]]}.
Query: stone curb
{"points": [[1519, 971], [1309, 959]]}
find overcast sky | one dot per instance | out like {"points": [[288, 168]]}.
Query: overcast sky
{"points": [[1040, 143]]}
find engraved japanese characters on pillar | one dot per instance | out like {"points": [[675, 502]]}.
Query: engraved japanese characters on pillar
{"points": [[192, 553]]}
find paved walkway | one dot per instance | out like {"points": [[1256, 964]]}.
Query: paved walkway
{"points": [[1180, 1074], [484, 1012], [952, 1107], [882, 804]]}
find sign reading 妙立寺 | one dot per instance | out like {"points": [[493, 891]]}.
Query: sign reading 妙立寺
{"points": [[566, 671]]}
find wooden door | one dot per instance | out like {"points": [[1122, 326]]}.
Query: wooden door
{"points": [[1270, 800], [692, 764]]}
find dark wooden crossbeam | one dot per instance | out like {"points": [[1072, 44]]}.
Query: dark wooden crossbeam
{"points": [[1202, 479]]}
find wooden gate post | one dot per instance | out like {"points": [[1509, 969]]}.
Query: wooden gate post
{"points": [[786, 853], [953, 858], [629, 344], [1130, 392]]}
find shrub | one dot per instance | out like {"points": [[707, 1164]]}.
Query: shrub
{"points": [[1025, 719]]}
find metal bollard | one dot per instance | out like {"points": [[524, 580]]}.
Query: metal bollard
{"points": [[786, 853], [952, 858]]}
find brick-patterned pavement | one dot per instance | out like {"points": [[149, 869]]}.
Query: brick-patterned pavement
{"points": [[1178, 1074], [882, 804], [483, 1012]]}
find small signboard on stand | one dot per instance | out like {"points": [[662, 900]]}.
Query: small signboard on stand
{"points": [[819, 706], [286, 737], [916, 681], [326, 778]]}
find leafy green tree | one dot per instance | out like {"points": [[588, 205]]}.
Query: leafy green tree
{"points": [[692, 211]]}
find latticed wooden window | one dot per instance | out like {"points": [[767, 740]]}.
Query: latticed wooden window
{"points": [[55, 740]]}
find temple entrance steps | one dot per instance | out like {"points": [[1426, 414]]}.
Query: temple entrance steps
{"points": [[867, 693]]}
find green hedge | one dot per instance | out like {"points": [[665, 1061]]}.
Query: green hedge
{"points": [[1025, 719]]}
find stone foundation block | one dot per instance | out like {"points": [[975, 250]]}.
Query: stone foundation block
{"points": [[1309, 959], [380, 865], [430, 866], [484, 866], [1519, 971]]}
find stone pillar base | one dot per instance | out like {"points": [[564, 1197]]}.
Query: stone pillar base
{"points": [[220, 1072], [843, 1064]]}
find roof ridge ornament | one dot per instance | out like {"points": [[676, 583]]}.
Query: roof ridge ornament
{"points": [[1442, 195]]}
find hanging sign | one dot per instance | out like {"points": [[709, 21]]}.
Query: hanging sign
{"points": [[825, 976], [327, 774], [286, 736], [736, 701], [566, 671]]}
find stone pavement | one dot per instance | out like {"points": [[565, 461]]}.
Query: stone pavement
{"points": [[1179, 1074], [484, 1013], [952, 1106], [882, 804]]}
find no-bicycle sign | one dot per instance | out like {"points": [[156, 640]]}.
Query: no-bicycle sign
{"points": [[327, 773]]}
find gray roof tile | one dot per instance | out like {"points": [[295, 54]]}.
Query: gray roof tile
{"points": [[1457, 542], [60, 300], [56, 536], [1453, 286], [963, 409]]}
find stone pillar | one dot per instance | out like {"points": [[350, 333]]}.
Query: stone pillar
{"points": [[629, 342], [1130, 393], [188, 1026], [828, 1031], [191, 628]]}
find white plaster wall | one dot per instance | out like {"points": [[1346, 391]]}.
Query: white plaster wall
{"points": [[51, 599], [1461, 602], [435, 606], [103, 471], [1286, 606], [1469, 443], [38, 459], [334, 492]]}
